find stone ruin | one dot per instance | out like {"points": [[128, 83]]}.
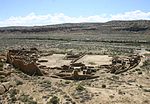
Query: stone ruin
{"points": [[122, 64], [24, 60], [77, 66], [74, 56], [76, 71], [74, 76]]}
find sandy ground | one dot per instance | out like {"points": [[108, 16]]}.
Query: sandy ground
{"points": [[55, 60], [96, 59], [58, 60]]}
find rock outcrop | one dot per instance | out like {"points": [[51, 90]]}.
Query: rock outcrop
{"points": [[5, 86]]}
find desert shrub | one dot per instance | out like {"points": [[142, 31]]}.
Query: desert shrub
{"points": [[13, 93], [146, 90], [54, 100], [18, 82], [146, 65], [1, 65], [137, 69], [45, 83], [103, 86], [3, 79], [24, 98], [80, 88], [27, 99], [67, 82], [146, 62], [139, 72]]}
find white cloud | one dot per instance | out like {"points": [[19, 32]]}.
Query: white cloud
{"points": [[33, 19], [133, 15]]}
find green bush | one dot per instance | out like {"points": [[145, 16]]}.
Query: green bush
{"points": [[18, 82], [45, 82], [67, 82], [1, 64], [146, 62], [80, 88], [1, 69], [27, 99], [13, 92], [103, 86], [54, 100]]}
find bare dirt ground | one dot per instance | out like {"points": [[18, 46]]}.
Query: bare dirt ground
{"points": [[58, 60], [55, 60]]}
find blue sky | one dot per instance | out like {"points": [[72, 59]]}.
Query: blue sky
{"points": [[58, 11]]}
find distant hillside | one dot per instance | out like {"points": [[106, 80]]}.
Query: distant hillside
{"points": [[137, 26]]}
